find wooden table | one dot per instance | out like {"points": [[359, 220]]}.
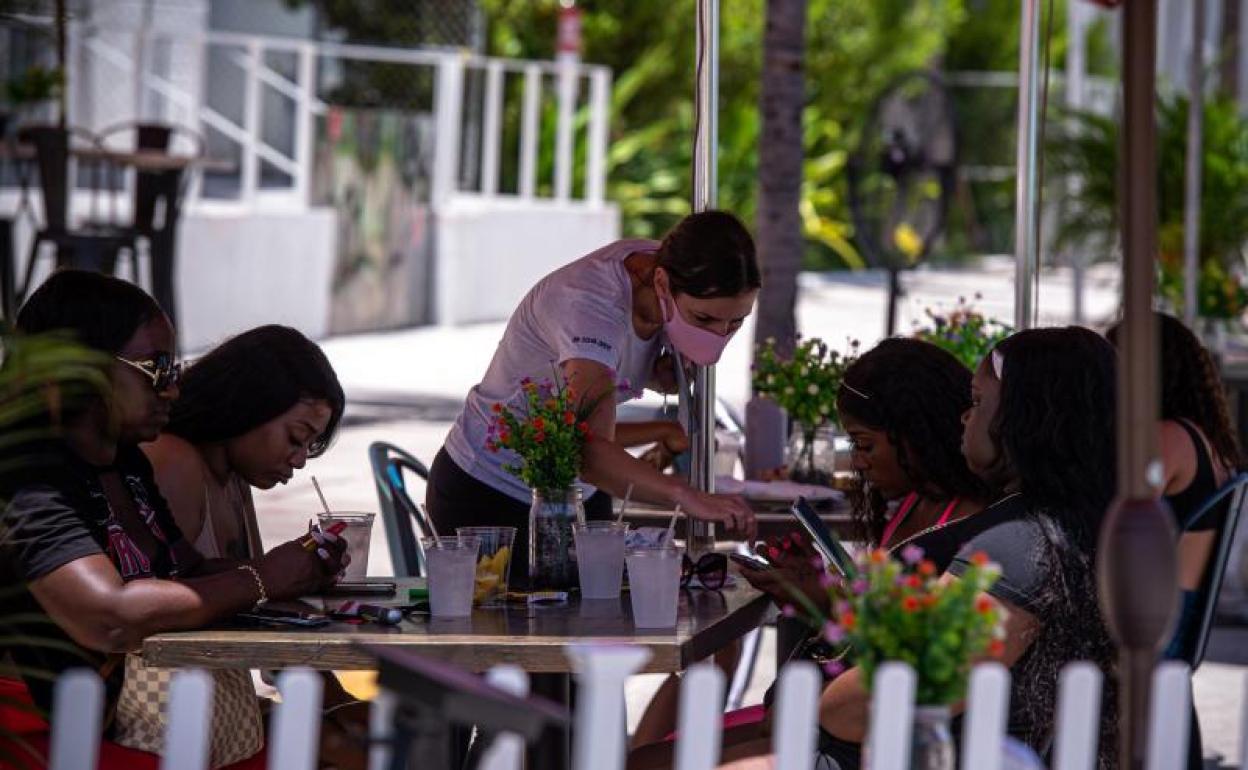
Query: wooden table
{"points": [[533, 637]]}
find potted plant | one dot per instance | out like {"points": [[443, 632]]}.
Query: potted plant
{"points": [[965, 332], [805, 385], [547, 432], [900, 610]]}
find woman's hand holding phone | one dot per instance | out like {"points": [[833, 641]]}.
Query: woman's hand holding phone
{"points": [[793, 573]]}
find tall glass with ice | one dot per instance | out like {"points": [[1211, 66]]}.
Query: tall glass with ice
{"points": [[451, 563], [654, 584], [600, 557]]}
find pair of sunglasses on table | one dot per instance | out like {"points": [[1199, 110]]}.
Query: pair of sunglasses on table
{"points": [[711, 570], [162, 369]]}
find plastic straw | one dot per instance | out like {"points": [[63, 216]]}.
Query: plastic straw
{"points": [[321, 495], [671, 525], [628, 494]]}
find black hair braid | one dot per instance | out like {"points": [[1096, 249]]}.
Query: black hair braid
{"points": [[917, 394], [1055, 434]]}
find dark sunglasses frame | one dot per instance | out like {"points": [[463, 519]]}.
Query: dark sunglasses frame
{"points": [[711, 569], [162, 370]]}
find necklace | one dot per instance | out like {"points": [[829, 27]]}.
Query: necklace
{"points": [[940, 525]]}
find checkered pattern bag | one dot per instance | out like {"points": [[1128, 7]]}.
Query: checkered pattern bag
{"points": [[237, 731]]}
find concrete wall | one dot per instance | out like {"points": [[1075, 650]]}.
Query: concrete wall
{"points": [[237, 271], [489, 253]]}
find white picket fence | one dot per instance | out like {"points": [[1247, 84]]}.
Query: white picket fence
{"points": [[598, 738]]}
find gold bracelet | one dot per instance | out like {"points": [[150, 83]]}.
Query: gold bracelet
{"points": [[255, 574]]}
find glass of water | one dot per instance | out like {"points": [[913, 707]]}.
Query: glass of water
{"points": [[451, 563]]}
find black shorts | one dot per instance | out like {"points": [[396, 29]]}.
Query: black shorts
{"points": [[456, 499]]}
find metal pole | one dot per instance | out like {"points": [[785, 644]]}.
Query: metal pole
{"points": [[706, 141], [1076, 69], [1026, 249], [1195, 154], [1136, 560]]}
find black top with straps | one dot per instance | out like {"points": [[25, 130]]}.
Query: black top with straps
{"points": [[1189, 500]]}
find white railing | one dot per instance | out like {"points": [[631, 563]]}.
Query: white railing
{"points": [[275, 126], [598, 738]]}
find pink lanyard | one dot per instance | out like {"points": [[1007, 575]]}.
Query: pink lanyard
{"points": [[906, 506]]}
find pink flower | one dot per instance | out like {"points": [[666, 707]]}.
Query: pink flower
{"points": [[788, 611], [859, 586], [833, 632], [827, 580], [912, 554], [833, 668]]}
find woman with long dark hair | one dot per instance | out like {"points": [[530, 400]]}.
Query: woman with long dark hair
{"points": [[252, 411], [598, 323], [1199, 452]]}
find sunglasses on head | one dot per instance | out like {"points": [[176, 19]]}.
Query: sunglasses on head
{"points": [[161, 369], [711, 569]]}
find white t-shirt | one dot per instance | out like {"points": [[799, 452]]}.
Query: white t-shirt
{"points": [[583, 310]]}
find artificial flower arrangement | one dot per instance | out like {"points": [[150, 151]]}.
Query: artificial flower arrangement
{"points": [[548, 435], [965, 332], [901, 610]]}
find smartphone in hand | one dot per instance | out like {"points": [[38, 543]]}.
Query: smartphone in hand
{"points": [[751, 561]]}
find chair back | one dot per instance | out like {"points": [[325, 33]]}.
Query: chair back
{"points": [[406, 521], [1207, 596], [51, 145]]}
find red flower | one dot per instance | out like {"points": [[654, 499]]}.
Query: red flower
{"points": [[497, 408], [983, 604], [491, 446], [568, 418], [539, 424], [909, 604], [551, 405], [979, 559], [796, 537], [927, 568], [914, 581], [996, 648], [848, 620], [930, 600], [539, 437], [504, 438], [583, 428]]}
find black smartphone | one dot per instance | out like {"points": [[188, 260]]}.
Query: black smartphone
{"points": [[271, 616], [824, 541], [751, 561], [362, 588]]}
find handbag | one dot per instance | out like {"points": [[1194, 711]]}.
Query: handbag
{"points": [[236, 730]]}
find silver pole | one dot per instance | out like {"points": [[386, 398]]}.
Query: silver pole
{"points": [[1026, 248], [1195, 153], [706, 141], [1076, 69]]}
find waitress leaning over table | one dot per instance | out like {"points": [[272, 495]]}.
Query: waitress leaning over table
{"points": [[605, 320]]}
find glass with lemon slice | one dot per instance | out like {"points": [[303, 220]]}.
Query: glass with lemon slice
{"points": [[493, 562]]}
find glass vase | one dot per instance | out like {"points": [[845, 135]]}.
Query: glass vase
{"points": [[931, 744], [811, 454], [552, 554]]}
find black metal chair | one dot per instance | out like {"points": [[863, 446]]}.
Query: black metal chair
{"points": [[92, 247], [406, 521]]}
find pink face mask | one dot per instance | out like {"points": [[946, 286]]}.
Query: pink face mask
{"points": [[701, 346]]}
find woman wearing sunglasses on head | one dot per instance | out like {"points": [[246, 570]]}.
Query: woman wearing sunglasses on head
{"points": [[88, 536], [600, 322]]}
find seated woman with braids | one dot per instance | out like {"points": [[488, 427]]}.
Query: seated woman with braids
{"points": [[1200, 453], [901, 404], [1040, 431]]}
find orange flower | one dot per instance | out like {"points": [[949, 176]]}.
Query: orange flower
{"points": [[568, 418], [983, 604], [551, 404], [879, 556], [848, 619], [996, 648], [504, 438], [927, 568], [909, 604], [930, 600], [979, 559], [539, 424]]}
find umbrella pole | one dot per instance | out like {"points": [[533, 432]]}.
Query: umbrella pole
{"points": [[1026, 248], [706, 141], [1136, 560], [1195, 154]]}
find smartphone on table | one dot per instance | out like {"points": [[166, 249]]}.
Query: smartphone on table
{"points": [[362, 588], [273, 616]]}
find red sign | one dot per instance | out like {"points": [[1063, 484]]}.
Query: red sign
{"points": [[569, 40]]}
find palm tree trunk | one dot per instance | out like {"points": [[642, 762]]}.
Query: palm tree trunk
{"points": [[780, 170]]}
